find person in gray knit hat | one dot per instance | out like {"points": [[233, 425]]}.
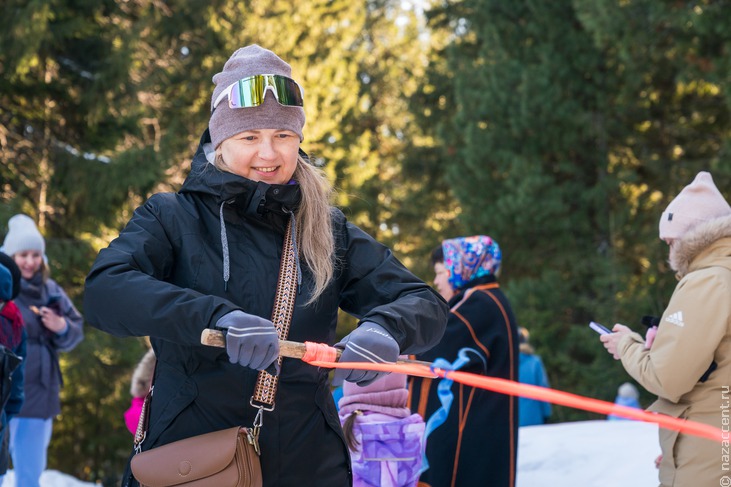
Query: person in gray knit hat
{"points": [[210, 257], [226, 122]]}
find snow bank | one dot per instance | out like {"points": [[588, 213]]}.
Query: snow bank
{"points": [[580, 454], [588, 454]]}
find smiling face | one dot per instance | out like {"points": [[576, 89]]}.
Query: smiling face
{"points": [[267, 155], [29, 262]]}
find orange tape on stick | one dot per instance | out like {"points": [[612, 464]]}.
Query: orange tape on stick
{"points": [[561, 398]]}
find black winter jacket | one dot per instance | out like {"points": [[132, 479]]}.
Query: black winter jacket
{"points": [[163, 277]]}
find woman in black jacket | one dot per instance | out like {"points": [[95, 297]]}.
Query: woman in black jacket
{"points": [[209, 257]]}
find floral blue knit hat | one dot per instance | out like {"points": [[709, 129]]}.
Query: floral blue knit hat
{"points": [[468, 258]]}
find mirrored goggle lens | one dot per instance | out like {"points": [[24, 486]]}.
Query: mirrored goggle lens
{"points": [[250, 92]]}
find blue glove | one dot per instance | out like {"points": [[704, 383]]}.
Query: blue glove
{"points": [[367, 343], [251, 341]]}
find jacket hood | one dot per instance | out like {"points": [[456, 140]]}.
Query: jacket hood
{"points": [[707, 244], [224, 186]]}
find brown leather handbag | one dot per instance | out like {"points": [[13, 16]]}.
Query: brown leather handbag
{"points": [[230, 457], [222, 458]]}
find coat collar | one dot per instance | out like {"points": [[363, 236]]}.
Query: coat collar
{"points": [[707, 244], [459, 293]]}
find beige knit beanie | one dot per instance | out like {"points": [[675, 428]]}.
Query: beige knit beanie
{"points": [[226, 122], [698, 202]]}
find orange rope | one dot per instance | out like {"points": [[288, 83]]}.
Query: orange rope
{"points": [[319, 352], [561, 398]]}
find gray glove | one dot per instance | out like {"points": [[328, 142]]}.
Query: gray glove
{"points": [[367, 343], [251, 341]]}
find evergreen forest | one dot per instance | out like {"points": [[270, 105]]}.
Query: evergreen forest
{"points": [[560, 128]]}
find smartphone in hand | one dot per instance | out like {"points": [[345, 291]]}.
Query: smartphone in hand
{"points": [[602, 330]]}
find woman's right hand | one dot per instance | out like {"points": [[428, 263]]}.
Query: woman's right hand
{"points": [[251, 341], [52, 320], [611, 340]]}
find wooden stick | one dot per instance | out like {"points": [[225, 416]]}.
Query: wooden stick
{"points": [[216, 338]]}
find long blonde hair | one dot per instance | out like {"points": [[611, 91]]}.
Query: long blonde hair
{"points": [[314, 222]]}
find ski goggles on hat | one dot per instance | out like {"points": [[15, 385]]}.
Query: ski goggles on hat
{"points": [[250, 92]]}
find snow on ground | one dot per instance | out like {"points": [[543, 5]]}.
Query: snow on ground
{"points": [[50, 478], [588, 454], [580, 454]]}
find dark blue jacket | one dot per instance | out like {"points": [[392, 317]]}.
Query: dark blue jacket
{"points": [[533, 412]]}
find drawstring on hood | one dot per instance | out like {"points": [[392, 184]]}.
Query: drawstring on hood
{"points": [[224, 246], [226, 259]]}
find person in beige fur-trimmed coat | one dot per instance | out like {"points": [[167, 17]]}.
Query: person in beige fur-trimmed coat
{"points": [[688, 364]]}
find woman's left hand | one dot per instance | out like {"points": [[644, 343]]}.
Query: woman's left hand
{"points": [[53, 321], [611, 340]]}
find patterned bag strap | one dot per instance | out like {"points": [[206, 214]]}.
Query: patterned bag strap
{"points": [[266, 384]]}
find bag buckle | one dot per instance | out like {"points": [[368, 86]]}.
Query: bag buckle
{"points": [[253, 434], [253, 441], [260, 405], [138, 445]]}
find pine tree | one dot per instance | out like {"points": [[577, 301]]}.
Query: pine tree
{"points": [[561, 127], [127, 97], [68, 110]]}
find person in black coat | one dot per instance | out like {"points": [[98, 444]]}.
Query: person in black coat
{"points": [[209, 257], [477, 443]]}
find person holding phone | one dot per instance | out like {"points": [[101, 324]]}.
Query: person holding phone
{"points": [[688, 363]]}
